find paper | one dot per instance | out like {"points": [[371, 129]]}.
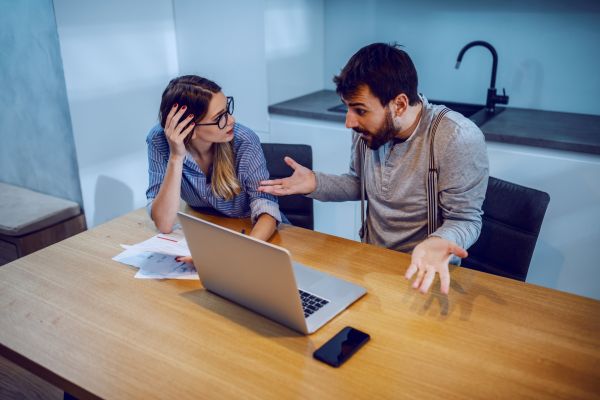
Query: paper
{"points": [[163, 266], [155, 257], [173, 243]]}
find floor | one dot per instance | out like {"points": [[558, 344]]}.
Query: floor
{"points": [[17, 383]]}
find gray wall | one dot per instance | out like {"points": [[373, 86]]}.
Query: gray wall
{"points": [[36, 140], [294, 48], [225, 42], [548, 49]]}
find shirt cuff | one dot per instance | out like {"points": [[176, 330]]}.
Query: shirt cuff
{"points": [[149, 207], [315, 194], [261, 206]]}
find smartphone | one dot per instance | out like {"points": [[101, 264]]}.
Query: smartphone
{"points": [[340, 347]]}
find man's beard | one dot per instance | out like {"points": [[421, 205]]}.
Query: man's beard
{"points": [[383, 135]]}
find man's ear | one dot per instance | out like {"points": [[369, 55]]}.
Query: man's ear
{"points": [[399, 104]]}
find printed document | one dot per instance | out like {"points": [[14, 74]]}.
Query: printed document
{"points": [[156, 257]]}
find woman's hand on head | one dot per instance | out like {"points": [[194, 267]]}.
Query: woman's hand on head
{"points": [[176, 130]]}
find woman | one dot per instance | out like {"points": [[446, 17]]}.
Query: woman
{"points": [[200, 154]]}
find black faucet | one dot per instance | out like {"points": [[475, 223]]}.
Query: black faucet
{"points": [[492, 97]]}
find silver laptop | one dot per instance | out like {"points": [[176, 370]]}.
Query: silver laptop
{"points": [[263, 277]]}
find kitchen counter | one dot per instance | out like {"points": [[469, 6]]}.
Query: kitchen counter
{"points": [[547, 129]]}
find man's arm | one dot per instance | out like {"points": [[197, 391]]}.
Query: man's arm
{"points": [[318, 185], [462, 182], [345, 187]]}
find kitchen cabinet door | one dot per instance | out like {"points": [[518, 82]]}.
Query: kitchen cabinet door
{"points": [[331, 144], [567, 252]]}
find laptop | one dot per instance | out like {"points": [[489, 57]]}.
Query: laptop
{"points": [[262, 277]]}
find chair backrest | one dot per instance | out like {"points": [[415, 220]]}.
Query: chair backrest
{"points": [[512, 218], [298, 209]]}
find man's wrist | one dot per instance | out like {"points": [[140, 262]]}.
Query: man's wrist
{"points": [[315, 182]]}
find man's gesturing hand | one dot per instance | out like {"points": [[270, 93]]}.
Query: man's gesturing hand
{"points": [[431, 256], [302, 181]]}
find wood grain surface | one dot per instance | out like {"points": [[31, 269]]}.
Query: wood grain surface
{"points": [[74, 317]]}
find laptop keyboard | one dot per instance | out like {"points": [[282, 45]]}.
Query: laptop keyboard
{"points": [[311, 303]]}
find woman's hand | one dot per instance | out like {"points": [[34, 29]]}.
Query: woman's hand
{"points": [[185, 259], [166, 203], [176, 131]]}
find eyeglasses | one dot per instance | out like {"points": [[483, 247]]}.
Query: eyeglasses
{"points": [[222, 118]]}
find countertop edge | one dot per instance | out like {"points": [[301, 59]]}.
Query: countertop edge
{"points": [[302, 110]]}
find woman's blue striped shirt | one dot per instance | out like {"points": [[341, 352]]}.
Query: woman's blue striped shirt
{"points": [[250, 166]]}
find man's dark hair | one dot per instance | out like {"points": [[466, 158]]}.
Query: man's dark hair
{"points": [[384, 68]]}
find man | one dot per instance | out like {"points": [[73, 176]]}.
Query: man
{"points": [[385, 111]]}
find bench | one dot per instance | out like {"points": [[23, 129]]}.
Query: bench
{"points": [[30, 221]]}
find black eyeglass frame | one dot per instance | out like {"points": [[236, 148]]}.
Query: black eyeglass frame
{"points": [[226, 114]]}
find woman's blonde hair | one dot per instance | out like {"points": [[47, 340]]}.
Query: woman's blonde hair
{"points": [[224, 180], [196, 92]]}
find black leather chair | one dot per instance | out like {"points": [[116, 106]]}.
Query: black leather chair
{"points": [[512, 219], [298, 209]]}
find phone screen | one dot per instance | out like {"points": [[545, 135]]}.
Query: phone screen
{"points": [[340, 347]]}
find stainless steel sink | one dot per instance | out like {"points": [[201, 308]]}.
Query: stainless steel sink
{"points": [[475, 112]]}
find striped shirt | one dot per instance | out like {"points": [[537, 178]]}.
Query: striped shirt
{"points": [[250, 167]]}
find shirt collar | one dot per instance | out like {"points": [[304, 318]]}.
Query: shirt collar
{"points": [[420, 126]]}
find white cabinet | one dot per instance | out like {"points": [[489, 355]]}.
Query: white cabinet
{"points": [[568, 248], [331, 144]]}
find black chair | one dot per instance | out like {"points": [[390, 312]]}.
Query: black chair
{"points": [[298, 209], [512, 219]]}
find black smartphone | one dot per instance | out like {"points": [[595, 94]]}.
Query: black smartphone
{"points": [[340, 347]]}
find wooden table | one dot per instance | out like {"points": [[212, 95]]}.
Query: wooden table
{"points": [[81, 321]]}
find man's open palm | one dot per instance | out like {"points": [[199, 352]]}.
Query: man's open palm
{"points": [[302, 181]]}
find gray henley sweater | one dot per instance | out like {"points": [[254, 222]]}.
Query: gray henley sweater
{"points": [[396, 188]]}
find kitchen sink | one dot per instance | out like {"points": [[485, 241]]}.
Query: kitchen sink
{"points": [[475, 112], [465, 109]]}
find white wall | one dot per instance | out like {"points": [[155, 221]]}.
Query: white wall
{"points": [[225, 42], [118, 58], [294, 31], [548, 57], [116, 68]]}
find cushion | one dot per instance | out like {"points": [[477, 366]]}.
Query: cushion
{"points": [[23, 211]]}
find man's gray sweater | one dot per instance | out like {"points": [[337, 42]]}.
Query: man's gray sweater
{"points": [[396, 188]]}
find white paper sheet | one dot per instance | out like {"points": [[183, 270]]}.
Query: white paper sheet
{"points": [[173, 243], [155, 257]]}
